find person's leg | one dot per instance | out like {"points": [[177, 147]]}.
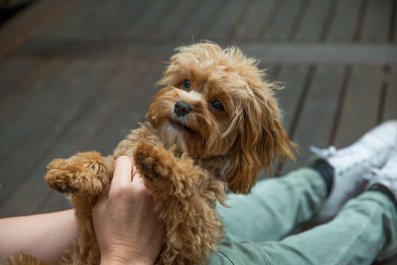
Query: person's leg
{"points": [[365, 226], [274, 208]]}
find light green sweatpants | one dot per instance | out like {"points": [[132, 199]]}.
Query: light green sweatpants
{"points": [[257, 226]]}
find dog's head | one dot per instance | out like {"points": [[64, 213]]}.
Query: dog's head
{"points": [[216, 103]]}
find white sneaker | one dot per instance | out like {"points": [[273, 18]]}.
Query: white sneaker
{"points": [[350, 163], [387, 177]]}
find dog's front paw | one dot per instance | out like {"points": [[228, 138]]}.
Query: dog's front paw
{"points": [[84, 172], [61, 176], [152, 160]]}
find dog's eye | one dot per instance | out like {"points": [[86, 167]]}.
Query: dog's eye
{"points": [[186, 84], [218, 105]]}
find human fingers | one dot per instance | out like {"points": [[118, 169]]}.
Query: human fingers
{"points": [[137, 180], [122, 172]]}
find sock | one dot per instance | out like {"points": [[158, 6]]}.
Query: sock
{"points": [[326, 171], [382, 189]]}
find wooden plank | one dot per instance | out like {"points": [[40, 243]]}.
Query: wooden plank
{"points": [[32, 111], [92, 20], [258, 14], [67, 24], [314, 21], [18, 117], [377, 21], [24, 104], [95, 118], [113, 127], [29, 152], [360, 108], [153, 14], [29, 113], [302, 100], [291, 104], [393, 23], [177, 17], [126, 118], [344, 21], [200, 19], [290, 53], [96, 20], [324, 53], [317, 116], [225, 24], [284, 20], [292, 77], [131, 12], [11, 73], [360, 20], [105, 19], [272, 71], [390, 107]]}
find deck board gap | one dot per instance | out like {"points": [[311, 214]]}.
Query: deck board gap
{"points": [[341, 100], [212, 19], [328, 20], [393, 22], [302, 99], [270, 16], [233, 31], [360, 21], [298, 20]]}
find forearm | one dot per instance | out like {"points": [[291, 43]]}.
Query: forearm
{"points": [[45, 236]]}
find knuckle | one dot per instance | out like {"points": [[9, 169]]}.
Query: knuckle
{"points": [[123, 159], [120, 191]]}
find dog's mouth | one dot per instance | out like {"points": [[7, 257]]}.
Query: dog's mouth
{"points": [[180, 126]]}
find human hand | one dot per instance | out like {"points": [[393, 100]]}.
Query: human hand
{"points": [[127, 228]]}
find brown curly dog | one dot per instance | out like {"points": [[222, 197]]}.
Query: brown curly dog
{"points": [[212, 127]]}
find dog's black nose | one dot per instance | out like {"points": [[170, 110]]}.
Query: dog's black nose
{"points": [[182, 108]]}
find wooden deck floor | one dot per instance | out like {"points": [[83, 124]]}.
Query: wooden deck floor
{"points": [[78, 75]]}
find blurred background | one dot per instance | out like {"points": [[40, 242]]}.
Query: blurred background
{"points": [[78, 75]]}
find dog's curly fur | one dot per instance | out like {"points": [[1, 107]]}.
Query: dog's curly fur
{"points": [[226, 129]]}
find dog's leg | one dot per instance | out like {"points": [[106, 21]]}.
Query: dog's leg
{"points": [[185, 197], [84, 173], [24, 259], [85, 176]]}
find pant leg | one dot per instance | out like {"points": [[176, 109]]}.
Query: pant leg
{"points": [[274, 208], [364, 227]]}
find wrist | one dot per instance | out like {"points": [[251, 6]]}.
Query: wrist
{"points": [[118, 260]]}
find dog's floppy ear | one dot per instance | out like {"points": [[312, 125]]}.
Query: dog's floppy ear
{"points": [[261, 140]]}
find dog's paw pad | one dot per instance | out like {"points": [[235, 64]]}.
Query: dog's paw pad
{"points": [[146, 164], [150, 159]]}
